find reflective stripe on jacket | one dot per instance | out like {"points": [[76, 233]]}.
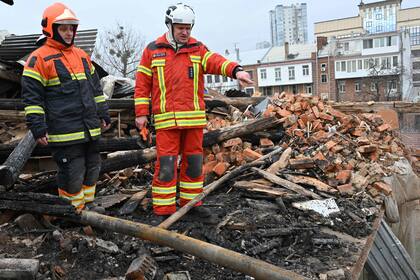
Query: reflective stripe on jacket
{"points": [[174, 83], [62, 95]]}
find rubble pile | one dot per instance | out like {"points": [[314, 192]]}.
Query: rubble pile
{"points": [[346, 154], [309, 209]]}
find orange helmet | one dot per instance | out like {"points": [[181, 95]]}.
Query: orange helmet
{"points": [[57, 13]]}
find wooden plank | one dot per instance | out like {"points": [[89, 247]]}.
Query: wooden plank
{"points": [[320, 186], [286, 184]]}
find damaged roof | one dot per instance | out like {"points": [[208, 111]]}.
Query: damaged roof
{"points": [[16, 47]]}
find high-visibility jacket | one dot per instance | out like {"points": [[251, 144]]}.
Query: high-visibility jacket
{"points": [[174, 82], [62, 95]]}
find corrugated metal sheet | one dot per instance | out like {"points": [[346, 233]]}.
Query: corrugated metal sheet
{"points": [[14, 48], [388, 260]]}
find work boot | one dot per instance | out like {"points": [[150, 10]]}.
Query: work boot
{"points": [[158, 219], [95, 208], [201, 214]]}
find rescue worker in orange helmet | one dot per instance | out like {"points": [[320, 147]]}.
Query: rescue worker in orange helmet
{"points": [[170, 77], [64, 105]]}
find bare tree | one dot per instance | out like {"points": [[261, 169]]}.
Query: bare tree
{"points": [[385, 77], [119, 50]]}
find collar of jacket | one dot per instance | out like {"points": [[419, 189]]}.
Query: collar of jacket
{"points": [[163, 42], [57, 45]]}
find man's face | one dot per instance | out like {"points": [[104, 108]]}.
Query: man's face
{"points": [[182, 33], [66, 32]]}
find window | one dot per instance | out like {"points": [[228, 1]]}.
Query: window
{"points": [[342, 87], [224, 78], [209, 79], [368, 24], [353, 66], [291, 73], [337, 66], [323, 66], [263, 74], [277, 72], [378, 16], [377, 62], [309, 89], [343, 66], [348, 66], [357, 86], [392, 86], [373, 86], [249, 91], [346, 46], [366, 64], [217, 79], [368, 44], [379, 28], [359, 64], [379, 42], [395, 61], [324, 78], [305, 70]]}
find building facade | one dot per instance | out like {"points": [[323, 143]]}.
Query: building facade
{"points": [[289, 24]]}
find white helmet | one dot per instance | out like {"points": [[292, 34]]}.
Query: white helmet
{"points": [[180, 13]]}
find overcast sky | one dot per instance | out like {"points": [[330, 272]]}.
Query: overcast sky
{"points": [[219, 23]]}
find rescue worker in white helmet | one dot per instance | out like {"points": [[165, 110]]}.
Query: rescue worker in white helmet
{"points": [[170, 79]]}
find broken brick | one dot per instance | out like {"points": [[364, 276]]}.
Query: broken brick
{"points": [[383, 187], [345, 189], [265, 142], [251, 155], [343, 176], [220, 168]]}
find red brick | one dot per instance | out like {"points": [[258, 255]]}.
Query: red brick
{"points": [[283, 113], [383, 127], [265, 142], [343, 176], [315, 111], [251, 155], [345, 189], [208, 167], [326, 117], [330, 144], [220, 168], [232, 142], [383, 187]]}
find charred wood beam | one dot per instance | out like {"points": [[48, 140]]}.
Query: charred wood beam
{"points": [[239, 102], [104, 145], [11, 168]]}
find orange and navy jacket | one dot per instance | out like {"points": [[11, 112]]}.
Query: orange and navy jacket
{"points": [[173, 82], [62, 95]]}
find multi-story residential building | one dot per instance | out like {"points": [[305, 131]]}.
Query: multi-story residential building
{"points": [[379, 26], [287, 68], [289, 24]]}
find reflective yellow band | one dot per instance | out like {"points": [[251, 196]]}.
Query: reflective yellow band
{"points": [[191, 122], [166, 190], [100, 98], [195, 58], [158, 62], [89, 189], [161, 78], [66, 137], [92, 71], [144, 70], [34, 109], [164, 201], [188, 196], [78, 76], [204, 62], [76, 199], [164, 116], [191, 185], [165, 124], [141, 100], [190, 114], [95, 132], [53, 82], [34, 75], [224, 65], [196, 73]]}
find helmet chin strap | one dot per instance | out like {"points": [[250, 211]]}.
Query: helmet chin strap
{"points": [[172, 36]]}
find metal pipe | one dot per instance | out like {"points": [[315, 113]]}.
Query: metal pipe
{"points": [[215, 254]]}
